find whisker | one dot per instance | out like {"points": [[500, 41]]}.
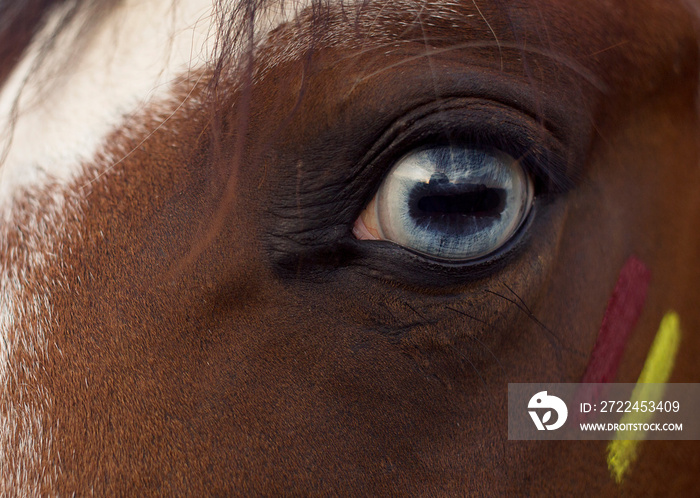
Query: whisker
{"points": [[554, 340], [467, 315], [422, 317], [476, 339], [527, 312], [517, 297]]}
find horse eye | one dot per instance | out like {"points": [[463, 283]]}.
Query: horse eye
{"points": [[453, 203]]}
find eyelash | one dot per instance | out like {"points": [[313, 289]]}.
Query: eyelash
{"points": [[473, 123]]}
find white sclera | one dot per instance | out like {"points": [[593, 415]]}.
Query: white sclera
{"points": [[469, 235]]}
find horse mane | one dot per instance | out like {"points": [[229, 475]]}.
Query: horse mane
{"points": [[21, 20]]}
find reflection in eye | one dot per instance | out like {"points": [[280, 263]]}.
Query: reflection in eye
{"points": [[449, 202]]}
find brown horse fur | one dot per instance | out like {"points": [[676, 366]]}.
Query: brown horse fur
{"points": [[216, 329]]}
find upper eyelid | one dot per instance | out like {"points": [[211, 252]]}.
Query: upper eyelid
{"points": [[542, 153]]}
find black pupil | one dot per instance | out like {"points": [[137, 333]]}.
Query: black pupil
{"points": [[481, 201], [451, 207]]}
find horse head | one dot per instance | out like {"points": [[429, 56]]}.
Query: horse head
{"points": [[257, 247]]}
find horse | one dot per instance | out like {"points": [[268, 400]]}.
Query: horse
{"points": [[206, 286]]}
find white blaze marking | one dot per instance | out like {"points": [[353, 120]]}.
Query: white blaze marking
{"points": [[72, 101], [55, 114]]}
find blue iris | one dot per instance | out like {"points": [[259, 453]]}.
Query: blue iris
{"points": [[453, 202]]}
